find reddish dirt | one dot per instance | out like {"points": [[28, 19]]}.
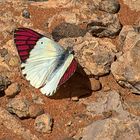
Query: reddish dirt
{"points": [[60, 107]]}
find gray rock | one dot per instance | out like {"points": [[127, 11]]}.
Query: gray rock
{"points": [[43, 123], [110, 6], [23, 108], [3, 52], [19, 106], [126, 69], [112, 129], [26, 13], [65, 30], [4, 82], [107, 104], [107, 25]]}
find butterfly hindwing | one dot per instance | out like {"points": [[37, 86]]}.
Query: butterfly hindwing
{"points": [[70, 70], [50, 87]]}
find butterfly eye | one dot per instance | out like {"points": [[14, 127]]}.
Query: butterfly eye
{"points": [[41, 42]]}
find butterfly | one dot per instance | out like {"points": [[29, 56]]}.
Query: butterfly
{"points": [[44, 63]]}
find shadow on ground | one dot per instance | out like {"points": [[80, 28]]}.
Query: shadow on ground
{"points": [[77, 86]]}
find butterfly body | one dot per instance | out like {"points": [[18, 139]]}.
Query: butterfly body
{"points": [[44, 62]]}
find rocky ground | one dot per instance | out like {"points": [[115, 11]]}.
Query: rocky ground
{"points": [[101, 101]]}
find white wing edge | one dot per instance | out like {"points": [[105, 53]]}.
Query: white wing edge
{"points": [[50, 88]]}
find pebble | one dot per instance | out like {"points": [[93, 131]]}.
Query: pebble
{"points": [[43, 123], [69, 123], [3, 52], [4, 82], [75, 99], [95, 84], [26, 13], [12, 90]]}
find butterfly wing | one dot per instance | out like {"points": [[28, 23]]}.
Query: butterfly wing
{"points": [[60, 76], [40, 58], [25, 40]]}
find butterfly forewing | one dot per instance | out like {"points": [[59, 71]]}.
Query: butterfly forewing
{"points": [[25, 40]]}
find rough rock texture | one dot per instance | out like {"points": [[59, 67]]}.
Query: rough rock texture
{"points": [[93, 54], [43, 123], [23, 108], [4, 82], [110, 6], [126, 69], [12, 90], [19, 106], [69, 138], [108, 105], [117, 123], [110, 129], [15, 126], [112, 108], [65, 30], [107, 25], [35, 110], [101, 24], [132, 104], [133, 4]]}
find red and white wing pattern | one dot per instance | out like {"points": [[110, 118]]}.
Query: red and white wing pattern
{"points": [[25, 40], [69, 72], [40, 57]]}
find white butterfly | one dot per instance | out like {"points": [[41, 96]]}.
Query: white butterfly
{"points": [[45, 63]]}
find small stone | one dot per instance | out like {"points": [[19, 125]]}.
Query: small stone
{"points": [[95, 84], [75, 99], [43, 123], [12, 90], [69, 123], [14, 61], [26, 13], [4, 82], [19, 106], [3, 52], [35, 110], [110, 6], [66, 30]]}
